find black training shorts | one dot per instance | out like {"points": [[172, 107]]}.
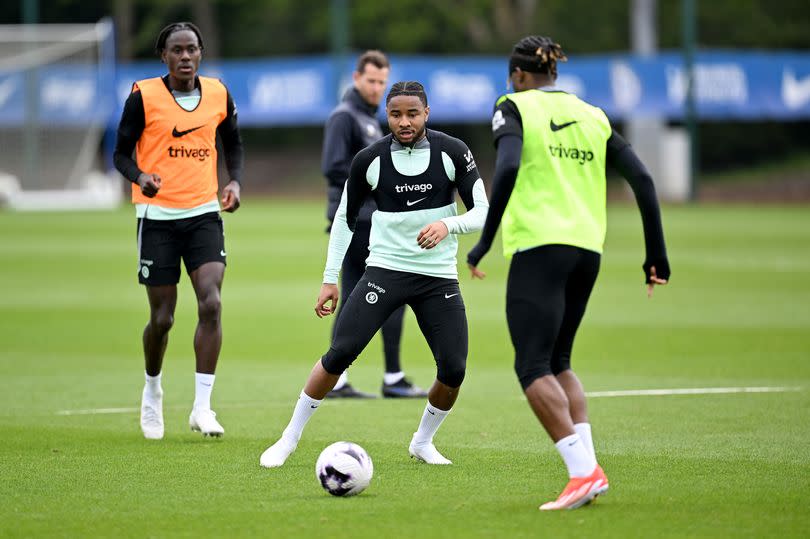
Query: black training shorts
{"points": [[546, 296], [161, 245], [438, 307]]}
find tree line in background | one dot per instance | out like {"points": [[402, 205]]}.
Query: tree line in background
{"points": [[262, 28], [250, 28]]}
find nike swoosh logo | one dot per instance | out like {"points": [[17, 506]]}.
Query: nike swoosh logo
{"points": [[431, 412], [555, 127], [222, 253], [795, 92], [448, 296], [176, 133], [411, 203], [312, 406]]}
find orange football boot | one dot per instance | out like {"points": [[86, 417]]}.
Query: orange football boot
{"points": [[580, 491]]}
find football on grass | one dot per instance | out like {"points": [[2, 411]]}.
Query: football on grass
{"points": [[344, 469]]}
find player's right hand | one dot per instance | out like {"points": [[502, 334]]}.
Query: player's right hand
{"points": [[475, 255], [476, 273], [149, 184], [329, 292]]}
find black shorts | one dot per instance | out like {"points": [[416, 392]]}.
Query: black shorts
{"points": [[546, 296], [351, 271], [161, 245], [436, 302]]}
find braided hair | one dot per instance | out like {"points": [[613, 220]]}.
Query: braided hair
{"points": [[409, 87], [160, 44], [536, 54]]}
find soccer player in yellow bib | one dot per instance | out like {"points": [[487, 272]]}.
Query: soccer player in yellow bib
{"points": [[549, 190]]}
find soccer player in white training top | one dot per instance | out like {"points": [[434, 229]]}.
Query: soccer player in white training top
{"points": [[412, 175]]}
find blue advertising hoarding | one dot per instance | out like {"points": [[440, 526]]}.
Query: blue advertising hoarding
{"points": [[729, 85]]}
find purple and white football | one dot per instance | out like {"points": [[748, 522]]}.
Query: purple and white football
{"points": [[344, 469]]}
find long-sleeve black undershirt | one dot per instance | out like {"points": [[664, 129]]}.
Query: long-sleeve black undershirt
{"points": [[132, 125]]}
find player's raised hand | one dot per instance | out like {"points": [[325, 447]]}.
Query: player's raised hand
{"points": [[149, 184], [430, 236], [329, 292], [231, 197]]}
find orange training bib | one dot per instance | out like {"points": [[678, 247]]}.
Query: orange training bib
{"points": [[180, 145]]}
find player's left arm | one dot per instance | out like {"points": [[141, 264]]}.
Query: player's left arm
{"points": [[470, 188], [228, 131], [623, 158]]}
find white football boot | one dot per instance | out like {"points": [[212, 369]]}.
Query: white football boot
{"points": [[276, 455], [152, 414], [205, 421], [427, 453]]}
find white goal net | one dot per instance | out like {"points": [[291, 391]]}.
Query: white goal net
{"points": [[57, 93]]}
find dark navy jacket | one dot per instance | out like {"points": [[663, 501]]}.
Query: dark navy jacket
{"points": [[352, 126]]}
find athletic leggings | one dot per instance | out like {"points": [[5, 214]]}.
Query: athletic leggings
{"points": [[438, 307], [354, 264], [546, 296]]}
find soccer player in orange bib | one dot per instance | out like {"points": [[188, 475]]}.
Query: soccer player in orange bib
{"points": [[171, 123]]}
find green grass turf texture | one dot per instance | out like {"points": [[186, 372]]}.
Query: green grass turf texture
{"points": [[736, 314]]}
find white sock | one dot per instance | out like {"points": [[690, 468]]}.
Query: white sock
{"points": [[153, 384], [204, 384], [304, 409], [391, 378], [584, 431], [432, 419], [341, 381], [578, 460]]}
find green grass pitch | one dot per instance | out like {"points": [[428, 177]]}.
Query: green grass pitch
{"points": [[737, 314]]}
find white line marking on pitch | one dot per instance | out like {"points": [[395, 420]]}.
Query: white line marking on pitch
{"points": [[93, 411], [689, 391], [591, 394], [98, 411]]}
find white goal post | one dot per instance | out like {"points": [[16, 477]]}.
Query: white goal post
{"points": [[57, 94]]}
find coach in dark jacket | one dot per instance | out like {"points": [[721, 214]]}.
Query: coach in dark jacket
{"points": [[351, 127]]}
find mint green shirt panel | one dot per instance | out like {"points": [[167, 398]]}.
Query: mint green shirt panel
{"points": [[559, 194], [187, 102], [159, 213], [392, 243]]}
